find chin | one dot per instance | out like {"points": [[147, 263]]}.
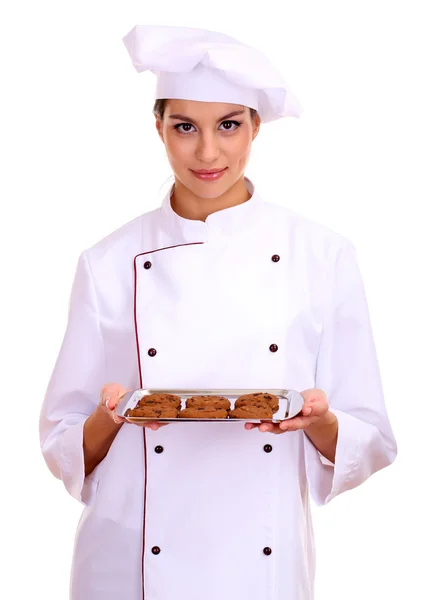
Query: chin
{"points": [[208, 189], [210, 194]]}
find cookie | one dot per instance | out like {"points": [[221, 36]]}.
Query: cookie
{"points": [[251, 412], [158, 411], [203, 413], [208, 401], [259, 403], [254, 403], [272, 400], [164, 399]]}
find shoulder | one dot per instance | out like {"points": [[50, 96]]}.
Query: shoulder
{"points": [[109, 263], [308, 233], [124, 242]]}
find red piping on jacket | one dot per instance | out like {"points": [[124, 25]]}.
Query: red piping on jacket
{"points": [[141, 384]]}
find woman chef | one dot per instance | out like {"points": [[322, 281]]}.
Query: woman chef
{"points": [[217, 288]]}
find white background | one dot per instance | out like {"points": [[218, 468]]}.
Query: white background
{"points": [[80, 157]]}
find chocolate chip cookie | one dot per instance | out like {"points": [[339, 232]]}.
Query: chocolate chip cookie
{"points": [[257, 397], [203, 413], [163, 399], [249, 411], [208, 402], [158, 411]]}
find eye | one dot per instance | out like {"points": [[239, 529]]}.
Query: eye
{"points": [[237, 123], [182, 127]]}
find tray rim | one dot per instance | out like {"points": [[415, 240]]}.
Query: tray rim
{"points": [[199, 420], [286, 394]]}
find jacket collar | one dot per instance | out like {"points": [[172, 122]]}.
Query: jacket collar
{"points": [[221, 224]]}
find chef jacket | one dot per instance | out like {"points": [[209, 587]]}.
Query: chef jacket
{"points": [[258, 297]]}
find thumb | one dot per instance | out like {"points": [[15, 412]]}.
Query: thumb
{"points": [[111, 393]]}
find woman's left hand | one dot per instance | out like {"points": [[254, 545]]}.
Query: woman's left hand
{"points": [[315, 407]]}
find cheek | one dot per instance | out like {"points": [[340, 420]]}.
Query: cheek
{"points": [[175, 149], [241, 151]]}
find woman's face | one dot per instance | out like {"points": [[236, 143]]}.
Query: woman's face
{"points": [[206, 135]]}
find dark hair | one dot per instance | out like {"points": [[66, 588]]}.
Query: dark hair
{"points": [[159, 108]]}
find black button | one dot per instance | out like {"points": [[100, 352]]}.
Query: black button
{"points": [[267, 551], [147, 265], [267, 448], [273, 347], [275, 258], [155, 550], [158, 449], [152, 352]]}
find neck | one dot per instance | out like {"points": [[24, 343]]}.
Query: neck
{"points": [[190, 206]]}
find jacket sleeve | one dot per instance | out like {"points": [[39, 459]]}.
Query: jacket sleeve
{"points": [[347, 370], [74, 389]]}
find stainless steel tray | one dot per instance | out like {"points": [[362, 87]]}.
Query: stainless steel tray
{"points": [[290, 404]]}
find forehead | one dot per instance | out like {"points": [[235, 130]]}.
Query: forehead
{"points": [[201, 110]]}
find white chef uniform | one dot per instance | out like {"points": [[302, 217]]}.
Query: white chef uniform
{"points": [[199, 511]]}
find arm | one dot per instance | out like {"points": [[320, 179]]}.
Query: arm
{"points": [[347, 371], [73, 394], [99, 431], [324, 435]]}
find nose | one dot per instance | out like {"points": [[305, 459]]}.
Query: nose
{"points": [[208, 148]]}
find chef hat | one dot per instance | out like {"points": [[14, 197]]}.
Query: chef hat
{"points": [[197, 64]]}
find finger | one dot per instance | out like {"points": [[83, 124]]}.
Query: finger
{"points": [[109, 390], [249, 426], [293, 424], [297, 423], [116, 418], [273, 428], [315, 407], [266, 427], [111, 405], [112, 390], [314, 395], [111, 402], [318, 409]]}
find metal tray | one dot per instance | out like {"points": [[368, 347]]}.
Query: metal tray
{"points": [[290, 404]]}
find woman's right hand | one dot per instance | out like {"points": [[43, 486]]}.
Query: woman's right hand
{"points": [[110, 396]]}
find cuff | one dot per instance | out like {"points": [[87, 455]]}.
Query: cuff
{"points": [[72, 465], [325, 479], [325, 461]]}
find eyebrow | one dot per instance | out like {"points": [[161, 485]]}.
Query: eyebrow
{"points": [[184, 118]]}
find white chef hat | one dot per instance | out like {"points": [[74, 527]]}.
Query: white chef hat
{"points": [[197, 64]]}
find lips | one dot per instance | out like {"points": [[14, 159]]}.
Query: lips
{"points": [[204, 172], [209, 175]]}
